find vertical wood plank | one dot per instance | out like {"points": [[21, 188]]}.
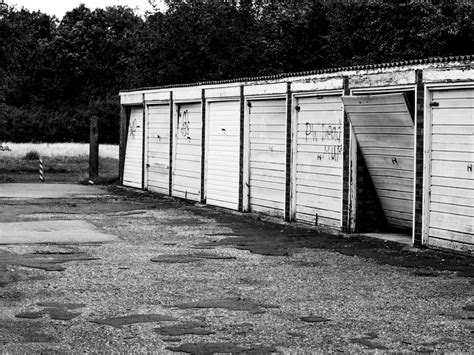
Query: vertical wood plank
{"points": [[288, 169], [94, 147], [170, 187], [124, 114], [241, 149], [418, 188], [203, 145], [345, 164], [143, 141]]}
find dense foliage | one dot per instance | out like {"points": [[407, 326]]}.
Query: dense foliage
{"points": [[55, 75]]}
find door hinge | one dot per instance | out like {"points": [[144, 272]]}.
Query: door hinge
{"points": [[434, 104], [297, 108]]}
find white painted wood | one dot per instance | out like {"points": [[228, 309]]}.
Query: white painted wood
{"points": [[157, 96], [132, 173], [383, 79], [187, 152], [318, 160], [187, 93], [265, 89], [451, 180], [131, 98], [317, 84], [223, 92], [267, 156], [223, 154], [385, 132], [438, 75], [158, 148]]}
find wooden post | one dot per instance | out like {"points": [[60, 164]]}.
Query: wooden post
{"points": [[94, 148]]}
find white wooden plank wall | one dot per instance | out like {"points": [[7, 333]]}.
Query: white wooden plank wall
{"points": [[223, 154], [158, 134], [187, 155], [452, 164], [133, 166], [319, 159], [267, 171], [385, 133]]}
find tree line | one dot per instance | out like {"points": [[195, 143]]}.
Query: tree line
{"points": [[55, 74]]}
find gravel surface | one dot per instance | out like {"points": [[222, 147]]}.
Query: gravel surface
{"points": [[203, 280]]}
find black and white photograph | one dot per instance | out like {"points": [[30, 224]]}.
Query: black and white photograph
{"points": [[236, 176]]}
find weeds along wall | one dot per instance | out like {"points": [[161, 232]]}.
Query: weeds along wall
{"points": [[332, 148]]}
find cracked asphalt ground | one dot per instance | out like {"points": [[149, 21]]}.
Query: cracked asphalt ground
{"points": [[197, 279]]}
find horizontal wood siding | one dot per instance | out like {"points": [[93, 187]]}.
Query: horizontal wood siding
{"points": [[158, 138], [384, 131], [267, 156], [223, 154], [187, 155], [319, 159], [132, 174], [451, 211]]}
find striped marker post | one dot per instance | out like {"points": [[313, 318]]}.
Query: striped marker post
{"points": [[41, 170]]}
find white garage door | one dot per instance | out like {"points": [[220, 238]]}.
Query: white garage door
{"points": [[385, 133], [451, 211], [267, 171], [158, 140], [133, 167], [187, 154], [318, 161], [223, 154]]}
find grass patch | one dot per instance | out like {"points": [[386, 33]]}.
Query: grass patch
{"points": [[57, 169], [63, 162]]}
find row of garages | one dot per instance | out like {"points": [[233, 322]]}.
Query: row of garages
{"points": [[383, 149]]}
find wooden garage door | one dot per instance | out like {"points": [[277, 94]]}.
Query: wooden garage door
{"points": [[158, 134], [187, 155], [133, 167], [267, 171], [318, 161], [451, 211], [223, 154], [385, 133]]}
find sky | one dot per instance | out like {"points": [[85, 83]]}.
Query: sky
{"points": [[60, 7]]}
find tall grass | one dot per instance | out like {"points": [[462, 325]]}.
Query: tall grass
{"points": [[19, 150]]}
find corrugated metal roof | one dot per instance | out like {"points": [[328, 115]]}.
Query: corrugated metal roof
{"points": [[432, 60]]}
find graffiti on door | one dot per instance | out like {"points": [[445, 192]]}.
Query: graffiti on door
{"points": [[329, 136], [184, 126]]}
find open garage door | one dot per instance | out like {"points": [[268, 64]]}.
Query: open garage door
{"points": [[385, 133]]}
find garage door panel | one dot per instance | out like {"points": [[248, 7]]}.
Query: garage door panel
{"points": [[158, 148], [318, 160], [267, 160], [223, 154], [133, 165], [187, 154], [384, 128]]}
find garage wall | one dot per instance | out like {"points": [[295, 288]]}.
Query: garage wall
{"points": [[267, 156], [133, 166], [187, 152], [451, 186], [158, 148], [223, 154], [318, 159]]}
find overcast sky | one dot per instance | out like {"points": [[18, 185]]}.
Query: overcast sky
{"points": [[60, 7]]}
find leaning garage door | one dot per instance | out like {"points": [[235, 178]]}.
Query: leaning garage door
{"points": [[267, 171], [223, 155], [158, 141], [451, 208], [133, 167], [187, 155], [318, 161], [385, 133]]}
